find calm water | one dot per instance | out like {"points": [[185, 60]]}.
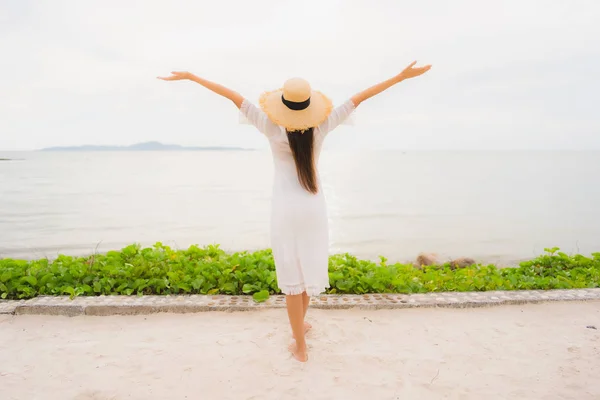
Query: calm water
{"points": [[498, 207]]}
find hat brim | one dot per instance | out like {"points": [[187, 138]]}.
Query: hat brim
{"points": [[314, 115]]}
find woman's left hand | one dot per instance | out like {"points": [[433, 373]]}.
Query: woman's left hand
{"points": [[176, 76], [411, 71]]}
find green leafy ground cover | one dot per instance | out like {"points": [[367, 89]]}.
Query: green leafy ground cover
{"points": [[209, 270]]}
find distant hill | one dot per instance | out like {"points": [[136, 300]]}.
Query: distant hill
{"points": [[148, 146]]}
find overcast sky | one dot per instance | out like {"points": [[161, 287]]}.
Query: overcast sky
{"points": [[506, 74]]}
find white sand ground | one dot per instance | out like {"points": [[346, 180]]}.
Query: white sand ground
{"points": [[514, 352]]}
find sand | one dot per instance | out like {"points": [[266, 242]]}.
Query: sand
{"points": [[540, 351]]}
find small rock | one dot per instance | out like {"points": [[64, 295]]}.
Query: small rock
{"points": [[591, 327], [424, 259], [462, 262]]}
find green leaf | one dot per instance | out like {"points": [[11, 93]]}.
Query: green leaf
{"points": [[29, 279], [228, 288], [69, 290], [261, 296], [345, 285], [5, 277]]}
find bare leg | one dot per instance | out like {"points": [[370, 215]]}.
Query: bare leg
{"points": [[305, 303], [295, 309]]}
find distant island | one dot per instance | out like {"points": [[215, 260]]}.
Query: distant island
{"points": [[147, 146]]}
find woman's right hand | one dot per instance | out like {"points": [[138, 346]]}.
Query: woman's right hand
{"points": [[218, 89], [176, 76]]}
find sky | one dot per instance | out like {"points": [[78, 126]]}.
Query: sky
{"points": [[511, 74]]}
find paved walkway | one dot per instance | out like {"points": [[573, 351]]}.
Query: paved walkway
{"points": [[129, 305]]}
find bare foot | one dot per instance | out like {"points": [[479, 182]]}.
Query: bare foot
{"points": [[307, 327], [301, 356]]}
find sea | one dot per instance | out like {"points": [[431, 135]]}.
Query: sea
{"points": [[496, 207]]}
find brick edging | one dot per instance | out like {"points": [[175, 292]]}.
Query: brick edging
{"points": [[132, 305]]}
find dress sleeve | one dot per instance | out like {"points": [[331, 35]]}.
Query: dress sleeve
{"points": [[337, 117], [258, 118]]}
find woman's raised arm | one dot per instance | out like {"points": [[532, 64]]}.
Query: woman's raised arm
{"points": [[409, 72], [235, 97]]}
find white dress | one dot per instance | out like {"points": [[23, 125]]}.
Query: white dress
{"points": [[299, 226]]}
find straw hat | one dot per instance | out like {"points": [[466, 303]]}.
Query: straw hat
{"points": [[296, 106]]}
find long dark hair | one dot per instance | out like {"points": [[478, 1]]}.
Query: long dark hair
{"points": [[302, 146]]}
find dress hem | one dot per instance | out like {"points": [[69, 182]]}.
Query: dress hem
{"points": [[295, 290]]}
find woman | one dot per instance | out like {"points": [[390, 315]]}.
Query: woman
{"points": [[296, 120]]}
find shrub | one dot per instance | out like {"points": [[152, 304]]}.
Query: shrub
{"points": [[209, 270]]}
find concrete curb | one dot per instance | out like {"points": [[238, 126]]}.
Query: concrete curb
{"points": [[133, 305]]}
